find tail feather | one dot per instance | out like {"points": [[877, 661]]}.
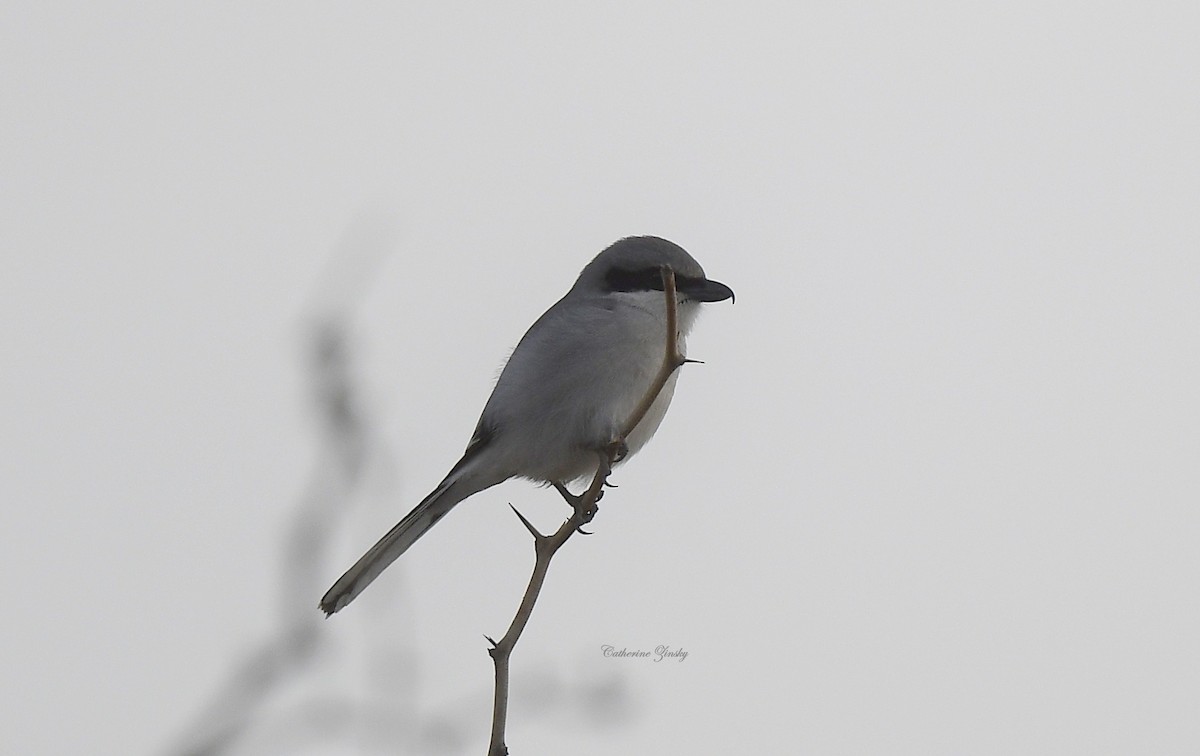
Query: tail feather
{"points": [[414, 525]]}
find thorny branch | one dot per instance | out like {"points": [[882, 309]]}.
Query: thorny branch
{"points": [[583, 510]]}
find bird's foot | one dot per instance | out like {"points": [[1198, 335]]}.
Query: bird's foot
{"points": [[614, 453], [584, 509]]}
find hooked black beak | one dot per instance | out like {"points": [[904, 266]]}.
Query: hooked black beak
{"points": [[704, 289]]}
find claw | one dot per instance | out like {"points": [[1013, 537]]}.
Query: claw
{"points": [[617, 451], [581, 531], [606, 483]]}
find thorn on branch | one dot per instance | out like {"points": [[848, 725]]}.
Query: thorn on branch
{"points": [[528, 525]]}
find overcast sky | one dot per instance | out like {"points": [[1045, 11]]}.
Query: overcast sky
{"points": [[933, 492]]}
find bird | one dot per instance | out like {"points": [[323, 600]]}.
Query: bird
{"points": [[574, 378]]}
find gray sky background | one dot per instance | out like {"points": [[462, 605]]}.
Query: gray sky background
{"points": [[934, 492]]}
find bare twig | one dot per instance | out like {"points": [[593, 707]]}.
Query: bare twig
{"points": [[584, 509], [672, 359]]}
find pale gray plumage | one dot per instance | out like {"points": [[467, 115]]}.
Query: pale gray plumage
{"points": [[574, 378]]}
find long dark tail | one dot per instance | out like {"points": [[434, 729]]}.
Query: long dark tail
{"points": [[456, 487]]}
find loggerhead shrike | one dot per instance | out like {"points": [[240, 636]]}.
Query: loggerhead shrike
{"points": [[577, 375]]}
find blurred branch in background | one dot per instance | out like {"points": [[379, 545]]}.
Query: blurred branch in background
{"points": [[274, 699], [346, 444]]}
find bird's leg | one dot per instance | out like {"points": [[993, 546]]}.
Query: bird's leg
{"points": [[585, 504], [575, 500], [584, 510]]}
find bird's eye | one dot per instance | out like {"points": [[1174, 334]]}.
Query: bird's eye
{"points": [[643, 279]]}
